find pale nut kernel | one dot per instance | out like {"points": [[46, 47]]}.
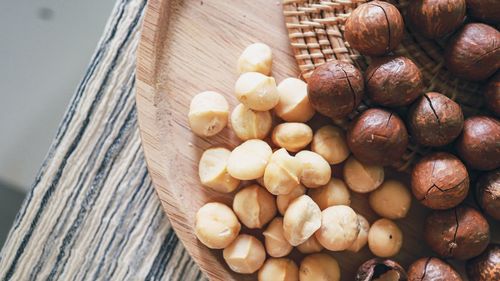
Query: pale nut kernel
{"points": [[391, 200], [292, 136], [385, 238], [257, 57], [279, 270], [319, 267], [362, 178], [216, 225], [316, 171], [212, 170], [302, 219], [362, 238], [250, 124], [339, 228], [310, 246], [282, 173], [248, 161], [208, 113], [245, 255], [284, 200], [335, 192], [256, 91], [276, 244], [294, 105], [254, 206], [330, 142]]}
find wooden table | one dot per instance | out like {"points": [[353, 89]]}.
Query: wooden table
{"points": [[92, 213]]}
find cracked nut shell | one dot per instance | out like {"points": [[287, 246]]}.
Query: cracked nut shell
{"points": [[488, 193], [435, 120], [484, 10], [376, 268], [374, 28], [486, 266], [335, 89], [432, 268], [459, 233], [436, 18], [440, 181], [492, 94]]}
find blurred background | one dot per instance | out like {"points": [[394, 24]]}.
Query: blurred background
{"points": [[44, 50]]}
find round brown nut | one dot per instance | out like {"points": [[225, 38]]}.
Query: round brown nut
{"points": [[276, 244], [301, 220], [486, 266], [391, 200], [435, 120], [315, 170], [329, 142], [310, 246], [245, 255], [248, 161], [473, 53], [431, 268], [257, 57], [256, 91], [294, 105], [339, 228], [212, 170], [393, 81], [362, 239], [362, 178], [479, 144], [319, 267], [282, 174], [250, 124], [377, 269], [492, 95], [385, 238], [484, 10], [284, 200], [459, 233], [292, 136], [279, 270], [254, 206], [378, 137], [440, 181], [216, 225], [335, 89], [208, 113], [374, 28], [488, 193], [436, 18], [332, 194]]}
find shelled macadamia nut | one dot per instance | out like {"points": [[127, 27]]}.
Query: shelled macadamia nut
{"points": [[279, 270], [256, 91], [319, 267], [216, 225], [385, 238], [329, 142], [250, 124], [339, 228], [391, 200], [292, 136], [257, 57], [294, 105], [432, 269], [284, 200], [335, 192], [276, 244], [310, 246], [208, 113], [302, 219], [362, 239], [248, 161], [435, 18], [282, 174], [212, 170], [362, 178], [316, 171], [254, 206], [245, 255]]}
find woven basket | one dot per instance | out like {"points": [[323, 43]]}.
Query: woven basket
{"points": [[316, 33]]}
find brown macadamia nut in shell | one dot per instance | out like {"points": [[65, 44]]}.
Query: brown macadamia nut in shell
{"points": [[329, 142], [292, 136], [294, 105], [488, 193], [284, 200], [301, 220], [484, 10], [391, 200], [385, 238], [254, 206], [279, 270], [212, 170], [335, 192], [485, 267], [208, 112], [319, 267], [250, 124], [362, 178], [276, 244], [431, 268], [339, 228], [315, 170], [492, 95], [377, 269], [436, 18], [216, 225], [245, 255], [282, 174]]}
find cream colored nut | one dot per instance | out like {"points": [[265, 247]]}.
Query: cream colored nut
{"points": [[208, 113], [250, 124], [332, 194], [279, 270], [257, 57], [283, 200], [391, 200], [302, 219], [329, 142], [294, 105], [276, 244], [339, 228], [254, 206], [256, 91], [362, 178], [385, 238], [248, 161], [362, 238], [245, 255], [310, 246], [282, 173], [319, 267], [292, 136], [216, 225], [213, 170], [316, 171]]}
